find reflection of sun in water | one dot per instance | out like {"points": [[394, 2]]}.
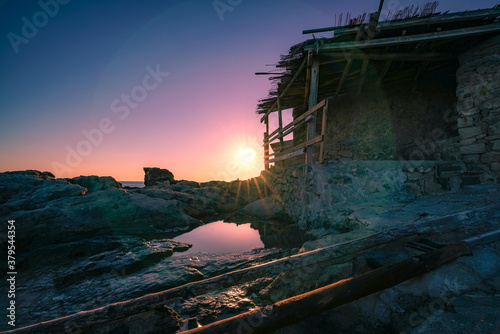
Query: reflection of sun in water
{"points": [[246, 156]]}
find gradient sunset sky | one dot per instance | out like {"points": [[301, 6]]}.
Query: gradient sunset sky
{"points": [[137, 83]]}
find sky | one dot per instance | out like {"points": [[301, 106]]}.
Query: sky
{"points": [[109, 87]]}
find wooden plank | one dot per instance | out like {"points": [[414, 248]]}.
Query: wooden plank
{"points": [[280, 123], [306, 144], [313, 100], [384, 72], [443, 18], [288, 155], [342, 78], [295, 122], [421, 70], [286, 89], [266, 145], [301, 307], [494, 27], [364, 68], [388, 56], [323, 131]]}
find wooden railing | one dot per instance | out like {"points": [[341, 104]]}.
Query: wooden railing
{"points": [[282, 131]]}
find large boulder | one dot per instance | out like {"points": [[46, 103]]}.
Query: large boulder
{"points": [[155, 175], [95, 183]]}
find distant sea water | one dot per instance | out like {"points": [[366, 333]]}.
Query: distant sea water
{"points": [[138, 184]]}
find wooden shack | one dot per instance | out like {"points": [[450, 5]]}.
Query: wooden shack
{"points": [[420, 87]]}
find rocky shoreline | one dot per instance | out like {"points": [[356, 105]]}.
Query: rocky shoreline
{"points": [[87, 242]]}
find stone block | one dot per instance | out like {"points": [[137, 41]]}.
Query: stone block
{"points": [[468, 112], [495, 166], [495, 145], [465, 121], [467, 142], [494, 129], [490, 157], [345, 153], [473, 149], [469, 132], [471, 158]]}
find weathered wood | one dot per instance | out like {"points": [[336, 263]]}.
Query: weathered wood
{"points": [[494, 27], [386, 56], [282, 157], [313, 100], [285, 90], [343, 77], [364, 68], [275, 134], [298, 308], [334, 254], [384, 72], [266, 145], [386, 25], [323, 132], [280, 124]]}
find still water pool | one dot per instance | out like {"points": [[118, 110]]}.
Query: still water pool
{"points": [[220, 237]]}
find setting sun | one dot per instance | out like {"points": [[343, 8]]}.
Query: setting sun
{"points": [[246, 156]]}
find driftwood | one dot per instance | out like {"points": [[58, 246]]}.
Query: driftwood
{"points": [[334, 254], [298, 308]]}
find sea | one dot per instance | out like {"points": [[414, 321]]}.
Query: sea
{"points": [[138, 184]]}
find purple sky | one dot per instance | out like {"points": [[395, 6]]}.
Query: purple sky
{"points": [[109, 87]]}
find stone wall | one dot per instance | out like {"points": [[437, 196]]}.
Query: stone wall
{"points": [[414, 121], [330, 195], [478, 106]]}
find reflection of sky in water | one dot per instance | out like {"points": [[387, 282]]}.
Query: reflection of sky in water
{"points": [[220, 237]]}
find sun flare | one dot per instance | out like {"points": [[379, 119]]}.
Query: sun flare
{"points": [[246, 156]]}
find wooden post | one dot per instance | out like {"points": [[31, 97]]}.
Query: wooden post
{"points": [[280, 123], [313, 100], [323, 130], [266, 145]]}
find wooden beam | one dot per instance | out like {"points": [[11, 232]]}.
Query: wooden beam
{"points": [[443, 18], [362, 78], [323, 132], [384, 72], [342, 78], [266, 145], [421, 70], [282, 157], [286, 89], [295, 122], [388, 56], [313, 99], [280, 124], [494, 27], [295, 309]]}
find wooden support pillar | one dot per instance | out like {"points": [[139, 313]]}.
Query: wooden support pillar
{"points": [[384, 72], [280, 123], [266, 145], [364, 68], [313, 100], [323, 131]]}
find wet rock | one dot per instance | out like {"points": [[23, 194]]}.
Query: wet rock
{"points": [[265, 208]]}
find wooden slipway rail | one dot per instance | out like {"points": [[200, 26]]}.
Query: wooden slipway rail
{"points": [[298, 308], [331, 254]]}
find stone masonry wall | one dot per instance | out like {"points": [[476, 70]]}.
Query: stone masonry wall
{"points": [[329, 195], [416, 121], [478, 106]]}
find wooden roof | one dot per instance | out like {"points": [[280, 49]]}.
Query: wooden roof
{"points": [[399, 50]]}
